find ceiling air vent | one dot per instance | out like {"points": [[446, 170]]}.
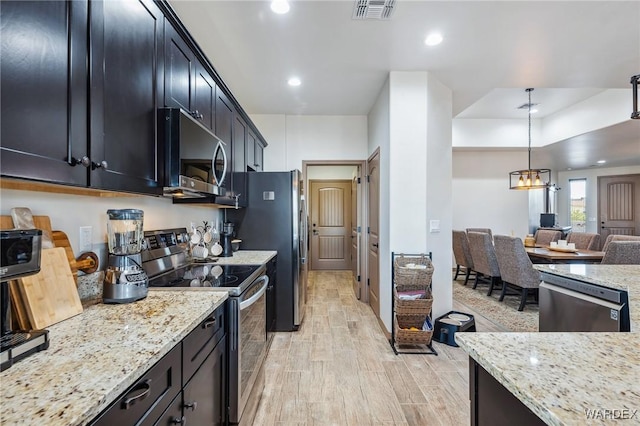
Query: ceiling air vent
{"points": [[373, 9]]}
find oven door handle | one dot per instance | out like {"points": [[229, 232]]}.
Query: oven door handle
{"points": [[250, 301]]}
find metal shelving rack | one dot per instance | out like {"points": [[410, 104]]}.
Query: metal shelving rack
{"points": [[409, 348]]}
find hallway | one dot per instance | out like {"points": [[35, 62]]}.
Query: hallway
{"points": [[339, 369]]}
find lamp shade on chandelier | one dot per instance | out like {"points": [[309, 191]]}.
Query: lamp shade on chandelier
{"points": [[529, 178]]}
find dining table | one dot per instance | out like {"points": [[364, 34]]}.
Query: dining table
{"points": [[546, 254]]}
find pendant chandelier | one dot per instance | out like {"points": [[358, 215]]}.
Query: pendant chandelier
{"points": [[530, 178]]}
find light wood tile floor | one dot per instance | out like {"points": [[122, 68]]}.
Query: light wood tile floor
{"points": [[339, 369]]}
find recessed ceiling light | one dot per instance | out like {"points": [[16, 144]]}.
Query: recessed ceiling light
{"points": [[534, 110], [294, 81], [601, 161], [433, 39], [280, 6]]}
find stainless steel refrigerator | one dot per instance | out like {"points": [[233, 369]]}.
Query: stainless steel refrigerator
{"points": [[276, 219]]}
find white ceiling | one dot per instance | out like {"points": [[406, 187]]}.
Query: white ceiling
{"points": [[569, 51]]}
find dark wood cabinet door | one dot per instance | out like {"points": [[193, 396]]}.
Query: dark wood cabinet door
{"points": [[126, 76], [44, 90], [180, 66], [204, 98], [251, 151], [205, 393], [259, 157], [239, 175]]}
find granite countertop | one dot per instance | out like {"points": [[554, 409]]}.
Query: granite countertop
{"points": [[248, 257], [620, 277], [560, 376], [95, 356]]}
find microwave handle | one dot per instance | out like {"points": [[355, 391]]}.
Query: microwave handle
{"points": [[224, 169]]}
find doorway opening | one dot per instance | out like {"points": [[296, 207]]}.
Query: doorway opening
{"points": [[335, 195]]}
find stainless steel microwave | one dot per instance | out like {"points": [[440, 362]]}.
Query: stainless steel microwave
{"points": [[194, 160]]}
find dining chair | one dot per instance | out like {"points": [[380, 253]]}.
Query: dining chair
{"points": [[622, 253], [483, 255], [462, 254], [616, 237], [516, 268], [545, 237], [584, 240], [483, 230]]}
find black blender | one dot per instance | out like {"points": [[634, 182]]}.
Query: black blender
{"points": [[19, 257], [124, 280]]}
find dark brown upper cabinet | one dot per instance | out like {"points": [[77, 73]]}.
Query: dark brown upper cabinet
{"points": [[254, 153], [126, 73], [79, 112], [44, 91], [188, 84]]}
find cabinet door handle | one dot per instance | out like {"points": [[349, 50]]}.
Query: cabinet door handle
{"points": [[192, 405], [209, 323], [102, 165], [375, 244], [145, 387], [181, 421]]}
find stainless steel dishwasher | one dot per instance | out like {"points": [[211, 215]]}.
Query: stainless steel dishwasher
{"points": [[569, 304]]}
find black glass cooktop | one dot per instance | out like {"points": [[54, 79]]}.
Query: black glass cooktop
{"points": [[207, 276]]}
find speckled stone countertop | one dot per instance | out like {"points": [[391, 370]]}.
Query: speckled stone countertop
{"points": [[620, 277], [95, 356], [560, 376], [247, 257]]}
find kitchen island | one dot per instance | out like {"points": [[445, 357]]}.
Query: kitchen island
{"points": [[564, 378], [95, 356]]}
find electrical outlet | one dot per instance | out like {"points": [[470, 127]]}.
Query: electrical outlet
{"points": [[85, 238]]}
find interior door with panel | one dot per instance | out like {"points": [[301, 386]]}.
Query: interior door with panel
{"points": [[373, 261], [126, 80], [330, 206], [44, 121], [619, 205]]}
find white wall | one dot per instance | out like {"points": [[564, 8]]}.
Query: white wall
{"points": [[481, 194], [295, 138], [591, 175], [495, 133], [69, 212], [331, 172]]}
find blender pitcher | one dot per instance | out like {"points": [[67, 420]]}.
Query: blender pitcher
{"points": [[124, 280]]}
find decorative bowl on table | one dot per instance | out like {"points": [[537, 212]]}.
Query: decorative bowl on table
{"points": [[235, 245]]}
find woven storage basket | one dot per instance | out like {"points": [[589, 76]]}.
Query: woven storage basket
{"points": [[406, 278], [413, 307], [411, 337]]}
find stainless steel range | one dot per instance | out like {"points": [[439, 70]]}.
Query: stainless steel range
{"points": [[167, 262]]}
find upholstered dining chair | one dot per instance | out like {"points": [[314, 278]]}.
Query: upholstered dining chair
{"points": [[462, 254], [484, 259], [545, 237], [622, 253], [616, 237], [584, 240], [516, 268], [484, 230]]}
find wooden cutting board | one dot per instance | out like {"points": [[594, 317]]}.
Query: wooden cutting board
{"points": [[50, 296]]}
